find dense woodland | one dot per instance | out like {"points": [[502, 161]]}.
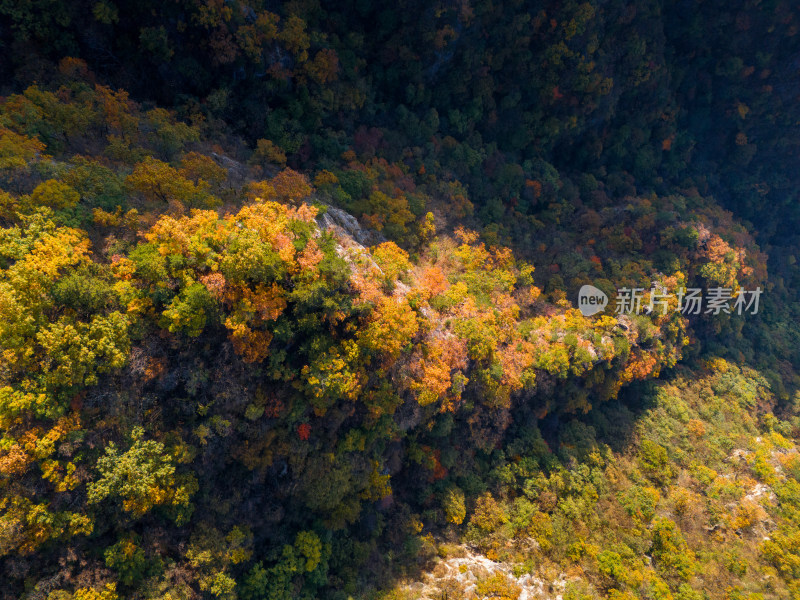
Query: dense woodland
{"points": [[288, 299]]}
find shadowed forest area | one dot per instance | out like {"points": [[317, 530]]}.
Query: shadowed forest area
{"points": [[289, 300]]}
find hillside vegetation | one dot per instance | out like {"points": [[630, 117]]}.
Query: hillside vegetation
{"points": [[288, 301]]}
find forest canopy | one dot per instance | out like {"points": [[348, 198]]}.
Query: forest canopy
{"points": [[289, 300]]}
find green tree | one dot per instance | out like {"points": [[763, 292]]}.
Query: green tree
{"points": [[142, 478]]}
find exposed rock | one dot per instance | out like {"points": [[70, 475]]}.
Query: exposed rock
{"points": [[237, 172], [465, 571], [347, 225]]}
